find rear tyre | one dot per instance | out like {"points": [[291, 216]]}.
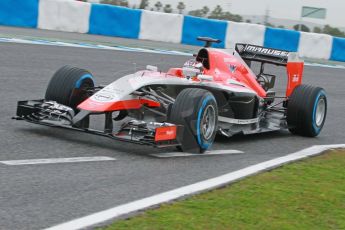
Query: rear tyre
{"points": [[306, 110], [68, 86], [196, 109]]}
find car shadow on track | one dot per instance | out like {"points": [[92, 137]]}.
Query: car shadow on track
{"points": [[90, 141], [139, 150], [241, 138]]}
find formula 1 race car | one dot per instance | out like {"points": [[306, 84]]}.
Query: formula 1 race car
{"points": [[214, 93]]}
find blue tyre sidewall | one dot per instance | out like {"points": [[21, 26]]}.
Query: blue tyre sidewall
{"points": [[321, 94], [204, 144], [83, 78]]}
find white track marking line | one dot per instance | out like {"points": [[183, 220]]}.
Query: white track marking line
{"points": [[90, 46], [122, 48], [56, 160], [324, 65], [208, 153], [134, 206]]}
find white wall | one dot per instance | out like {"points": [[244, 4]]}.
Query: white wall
{"points": [[161, 27], [315, 45], [64, 15], [244, 33]]}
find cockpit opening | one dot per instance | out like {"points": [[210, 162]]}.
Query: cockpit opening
{"points": [[203, 57]]}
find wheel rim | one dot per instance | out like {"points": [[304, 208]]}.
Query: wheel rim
{"points": [[320, 112], [208, 122]]}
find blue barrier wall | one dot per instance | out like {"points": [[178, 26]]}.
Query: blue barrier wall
{"points": [[194, 27], [19, 13], [338, 49], [114, 21], [282, 39], [124, 22]]}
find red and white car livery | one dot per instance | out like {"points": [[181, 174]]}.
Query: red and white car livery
{"points": [[217, 92]]}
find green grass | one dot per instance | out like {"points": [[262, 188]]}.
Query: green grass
{"points": [[306, 195]]}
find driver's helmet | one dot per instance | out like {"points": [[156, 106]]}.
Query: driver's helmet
{"points": [[192, 69]]}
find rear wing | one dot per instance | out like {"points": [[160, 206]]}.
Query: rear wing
{"points": [[294, 65], [261, 54]]}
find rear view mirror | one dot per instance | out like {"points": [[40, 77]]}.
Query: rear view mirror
{"points": [[152, 68], [205, 77]]}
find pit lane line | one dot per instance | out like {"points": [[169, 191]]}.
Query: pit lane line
{"points": [[90, 46], [207, 153], [112, 213], [56, 160], [122, 48], [105, 158]]}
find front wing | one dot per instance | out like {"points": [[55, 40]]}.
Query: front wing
{"points": [[52, 114]]}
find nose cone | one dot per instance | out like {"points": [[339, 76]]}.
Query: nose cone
{"points": [[107, 106]]}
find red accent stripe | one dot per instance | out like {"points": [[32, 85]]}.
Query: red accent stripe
{"points": [[295, 75], [165, 133], [95, 106]]}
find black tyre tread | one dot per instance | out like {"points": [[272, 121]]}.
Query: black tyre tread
{"points": [[296, 102], [183, 101], [191, 93], [293, 111], [185, 96], [62, 84]]}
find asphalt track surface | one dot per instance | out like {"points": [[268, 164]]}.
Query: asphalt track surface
{"points": [[39, 196]]}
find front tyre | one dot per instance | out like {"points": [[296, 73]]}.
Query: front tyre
{"points": [[69, 85], [307, 110], [196, 109]]}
